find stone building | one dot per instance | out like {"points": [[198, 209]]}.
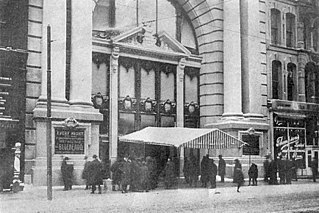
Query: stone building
{"points": [[246, 67]]}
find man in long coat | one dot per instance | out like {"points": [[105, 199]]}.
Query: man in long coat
{"points": [[95, 174], [204, 167], [67, 173], [221, 168], [126, 174], [212, 173], [116, 174], [314, 168]]}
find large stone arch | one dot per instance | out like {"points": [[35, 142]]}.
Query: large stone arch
{"points": [[207, 20]]}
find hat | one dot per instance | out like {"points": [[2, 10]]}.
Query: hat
{"points": [[220, 156], [94, 156], [66, 158]]}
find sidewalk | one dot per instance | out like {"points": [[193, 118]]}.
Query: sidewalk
{"points": [[34, 198]]}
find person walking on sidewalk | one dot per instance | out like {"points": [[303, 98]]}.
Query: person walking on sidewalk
{"points": [[212, 172], [95, 174], [314, 168], [85, 172], [238, 175], [67, 173], [221, 168], [253, 174]]}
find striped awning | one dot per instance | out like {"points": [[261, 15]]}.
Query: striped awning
{"points": [[184, 137]]}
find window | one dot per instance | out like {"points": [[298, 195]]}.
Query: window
{"points": [[275, 26], [276, 78], [290, 30], [291, 68], [311, 83]]}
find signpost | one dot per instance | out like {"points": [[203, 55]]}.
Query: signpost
{"points": [[49, 125]]}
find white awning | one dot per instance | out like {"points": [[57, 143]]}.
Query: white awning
{"points": [[184, 137]]}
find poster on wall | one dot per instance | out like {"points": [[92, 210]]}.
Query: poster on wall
{"points": [[69, 140]]}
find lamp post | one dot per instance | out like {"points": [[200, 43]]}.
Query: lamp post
{"points": [[49, 134]]}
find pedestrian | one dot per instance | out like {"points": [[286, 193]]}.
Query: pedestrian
{"points": [[314, 168], [169, 174], [204, 169], [282, 169], [95, 175], [85, 172], [253, 174], [238, 175], [273, 172], [221, 168], [67, 173], [116, 175], [126, 174], [212, 173], [266, 168], [186, 170], [193, 171], [294, 168], [144, 181]]}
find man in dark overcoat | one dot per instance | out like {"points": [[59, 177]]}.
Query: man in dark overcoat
{"points": [[85, 172], [186, 170], [253, 174], [67, 173], [116, 174], [314, 168], [204, 169], [95, 174], [193, 171], [212, 168], [126, 174], [221, 168]]}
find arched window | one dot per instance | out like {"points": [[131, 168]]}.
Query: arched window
{"points": [[290, 30], [311, 83], [291, 82], [275, 26], [276, 80], [122, 15]]}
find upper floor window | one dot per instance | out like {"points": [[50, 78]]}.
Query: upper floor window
{"points": [[290, 30], [291, 85], [275, 26], [311, 83], [122, 15], [276, 79]]}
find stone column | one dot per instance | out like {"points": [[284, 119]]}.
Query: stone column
{"points": [[180, 93], [113, 126], [54, 14], [81, 53], [232, 60]]}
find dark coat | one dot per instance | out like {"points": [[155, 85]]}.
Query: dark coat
{"points": [[126, 173], [95, 173], [253, 171], [221, 167], [85, 174], [116, 172], [212, 170], [238, 174], [205, 169]]}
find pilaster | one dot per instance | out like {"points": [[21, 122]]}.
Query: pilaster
{"points": [[232, 61], [180, 93], [113, 128]]}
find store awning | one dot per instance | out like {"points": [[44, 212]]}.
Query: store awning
{"points": [[184, 137]]}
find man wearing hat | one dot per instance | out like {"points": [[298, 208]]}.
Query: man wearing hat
{"points": [[95, 174], [221, 168]]}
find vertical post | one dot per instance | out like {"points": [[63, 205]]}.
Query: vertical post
{"points": [[156, 21], [49, 144]]}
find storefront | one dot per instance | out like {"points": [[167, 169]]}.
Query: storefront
{"points": [[295, 132]]}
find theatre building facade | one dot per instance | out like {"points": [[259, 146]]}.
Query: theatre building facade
{"points": [[248, 68]]}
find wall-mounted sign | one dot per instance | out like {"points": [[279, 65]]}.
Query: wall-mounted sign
{"points": [[69, 140]]}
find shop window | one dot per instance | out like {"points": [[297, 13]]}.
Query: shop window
{"points": [[311, 83], [290, 30], [276, 79], [275, 26], [291, 68]]}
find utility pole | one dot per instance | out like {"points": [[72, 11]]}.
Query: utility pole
{"points": [[49, 134]]}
